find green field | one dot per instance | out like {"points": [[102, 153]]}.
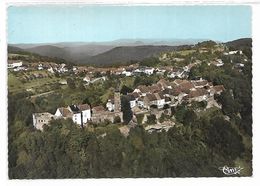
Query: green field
{"points": [[36, 86]]}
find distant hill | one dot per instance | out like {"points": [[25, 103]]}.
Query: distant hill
{"points": [[118, 51], [13, 49], [127, 53], [239, 44], [50, 51], [97, 54]]}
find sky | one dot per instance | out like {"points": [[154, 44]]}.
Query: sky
{"points": [[97, 23]]}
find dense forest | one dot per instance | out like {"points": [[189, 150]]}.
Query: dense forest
{"points": [[197, 146]]}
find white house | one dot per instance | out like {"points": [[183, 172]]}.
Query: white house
{"points": [[149, 71], [233, 52], [160, 100], [140, 102], [40, 67], [81, 113], [127, 73], [14, 64]]}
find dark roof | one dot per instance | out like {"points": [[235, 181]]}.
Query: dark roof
{"points": [[74, 108]]}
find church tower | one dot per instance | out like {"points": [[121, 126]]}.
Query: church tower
{"points": [[117, 101]]}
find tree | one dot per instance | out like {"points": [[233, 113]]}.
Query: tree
{"points": [[125, 90], [222, 138], [71, 83], [126, 109]]}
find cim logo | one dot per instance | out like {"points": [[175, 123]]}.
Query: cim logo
{"points": [[230, 170]]}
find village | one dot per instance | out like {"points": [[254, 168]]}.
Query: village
{"points": [[172, 89], [155, 99]]}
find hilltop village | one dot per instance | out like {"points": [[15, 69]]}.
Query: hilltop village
{"points": [[174, 85]]}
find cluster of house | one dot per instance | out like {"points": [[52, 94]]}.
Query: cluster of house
{"points": [[81, 114], [170, 93]]}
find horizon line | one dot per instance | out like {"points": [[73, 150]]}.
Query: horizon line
{"points": [[107, 41]]}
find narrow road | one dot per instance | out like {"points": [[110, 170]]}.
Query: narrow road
{"points": [[42, 94]]}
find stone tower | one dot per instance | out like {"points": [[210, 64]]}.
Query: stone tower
{"points": [[117, 101]]}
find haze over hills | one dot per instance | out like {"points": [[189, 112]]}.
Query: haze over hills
{"points": [[101, 53], [121, 50]]}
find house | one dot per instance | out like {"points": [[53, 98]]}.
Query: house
{"points": [[40, 67], [81, 113], [50, 69], [100, 114], [127, 73], [148, 71], [142, 89], [199, 83], [41, 119], [216, 62], [21, 68], [132, 100], [155, 88], [186, 86], [177, 72], [63, 112], [233, 52], [164, 84], [199, 95], [14, 63], [86, 112], [140, 102], [149, 100], [160, 100]]}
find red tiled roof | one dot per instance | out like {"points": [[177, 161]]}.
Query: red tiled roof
{"points": [[83, 107], [65, 112], [197, 93], [98, 109], [219, 88]]}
